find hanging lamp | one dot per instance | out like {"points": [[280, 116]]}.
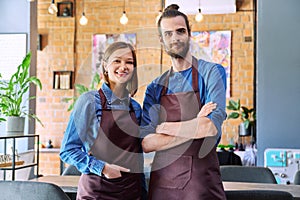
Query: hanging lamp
{"points": [[83, 19], [199, 16], [124, 18], [52, 8], [158, 16]]}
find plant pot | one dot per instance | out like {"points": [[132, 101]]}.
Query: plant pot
{"points": [[245, 131], [15, 125]]}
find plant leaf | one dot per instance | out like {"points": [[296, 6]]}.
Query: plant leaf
{"points": [[81, 88], [246, 123], [95, 82], [254, 115], [233, 115], [233, 105]]}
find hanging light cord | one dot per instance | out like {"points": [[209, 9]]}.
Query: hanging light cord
{"points": [[199, 8], [83, 6], [124, 6]]}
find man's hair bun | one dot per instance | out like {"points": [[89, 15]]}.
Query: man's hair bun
{"points": [[172, 7]]}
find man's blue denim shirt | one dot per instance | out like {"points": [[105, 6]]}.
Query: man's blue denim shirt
{"points": [[212, 88]]}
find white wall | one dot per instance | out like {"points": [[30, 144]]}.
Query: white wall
{"points": [[278, 75]]}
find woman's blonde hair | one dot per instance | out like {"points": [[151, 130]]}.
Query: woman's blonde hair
{"points": [[132, 84]]}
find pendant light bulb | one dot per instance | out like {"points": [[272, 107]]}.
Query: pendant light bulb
{"points": [[158, 16], [124, 18], [52, 8], [199, 16], [83, 20]]}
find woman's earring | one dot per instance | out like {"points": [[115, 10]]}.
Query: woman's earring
{"points": [[105, 73]]}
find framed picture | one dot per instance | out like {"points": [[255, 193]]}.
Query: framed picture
{"points": [[65, 9], [101, 41], [213, 46]]}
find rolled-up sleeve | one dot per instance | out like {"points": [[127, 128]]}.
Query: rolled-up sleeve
{"points": [[150, 115], [215, 80], [79, 136]]}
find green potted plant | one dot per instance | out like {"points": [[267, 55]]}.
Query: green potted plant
{"points": [[247, 115], [1, 117], [80, 89], [12, 97]]}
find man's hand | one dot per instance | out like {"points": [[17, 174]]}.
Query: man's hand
{"points": [[166, 127], [196, 128], [207, 109]]}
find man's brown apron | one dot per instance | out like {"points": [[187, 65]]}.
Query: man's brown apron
{"points": [[179, 172], [117, 143]]}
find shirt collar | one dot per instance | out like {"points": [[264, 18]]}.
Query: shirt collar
{"points": [[111, 97]]}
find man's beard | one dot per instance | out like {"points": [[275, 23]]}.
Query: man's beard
{"points": [[180, 54]]}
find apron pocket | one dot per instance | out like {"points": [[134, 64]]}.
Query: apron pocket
{"points": [[176, 174], [119, 179]]}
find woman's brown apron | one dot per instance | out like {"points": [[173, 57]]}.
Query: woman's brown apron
{"points": [[182, 172], [117, 143]]}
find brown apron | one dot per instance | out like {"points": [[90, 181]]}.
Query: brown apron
{"points": [[182, 172], [117, 143]]}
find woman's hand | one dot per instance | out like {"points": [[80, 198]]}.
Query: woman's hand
{"points": [[113, 171], [207, 109]]}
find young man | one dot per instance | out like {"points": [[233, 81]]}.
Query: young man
{"points": [[185, 165]]}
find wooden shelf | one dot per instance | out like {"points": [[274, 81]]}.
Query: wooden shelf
{"points": [[42, 41], [9, 164], [63, 80]]}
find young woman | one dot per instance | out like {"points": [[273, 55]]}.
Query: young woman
{"points": [[102, 138]]}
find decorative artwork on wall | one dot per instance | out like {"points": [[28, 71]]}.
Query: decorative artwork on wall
{"points": [[101, 41], [213, 46]]}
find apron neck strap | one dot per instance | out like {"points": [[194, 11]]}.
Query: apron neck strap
{"points": [[104, 101], [195, 76]]}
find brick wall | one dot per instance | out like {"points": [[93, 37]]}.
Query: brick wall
{"points": [[69, 47], [49, 162]]}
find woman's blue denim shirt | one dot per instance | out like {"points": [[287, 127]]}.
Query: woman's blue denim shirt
{"points": [[83, 126]]}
